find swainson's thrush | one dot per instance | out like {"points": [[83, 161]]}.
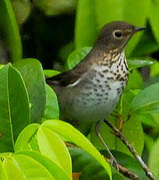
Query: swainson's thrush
{"points": [[89, 92]]}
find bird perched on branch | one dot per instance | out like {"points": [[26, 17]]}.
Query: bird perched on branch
{"points": [[89, 92]]}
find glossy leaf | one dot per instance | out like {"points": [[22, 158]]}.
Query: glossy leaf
{"points": [[51, 107], [138, 62], [147, 99], [50, 73], [153, 17], [10, 28], [23, 142], [85, 27], [31, 168], [154, 69], [32, 73], [70, 134], [154, 158], [40, 140], [14, 103], [135, 80], [52, 167], [52, 146]]}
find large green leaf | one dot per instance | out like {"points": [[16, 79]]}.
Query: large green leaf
{"points": [[154, 158], [35, 138], [128, 15], [32, 73], [22, 167], [70, 134], [10, 29], [85, 29], [52, 146], [153, 17], [51, 166], [24, 140], [147, 99], [139, 62], [51, 107], [14, 103]]}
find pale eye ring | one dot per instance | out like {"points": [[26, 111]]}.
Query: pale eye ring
{"points": [[117, 34]]}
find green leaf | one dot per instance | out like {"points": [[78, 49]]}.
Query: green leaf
{"points": [[28, 167], [131, 164], [129, 16], [154, 159], [153, 17], [14, 103], [2, 172], [11, 169], [22, 9], [24, 140], [104, 14], [154, 69], [135, 80], [146, 46], [10, 29], [51, 107], [35, 138], [139, 62], [132, 131], [88, 167], [50, 73], [70, 134], [52, 146], [52, 167], [76, 56], [32, 73], [85, 27], [147, 99], [55, 7]]}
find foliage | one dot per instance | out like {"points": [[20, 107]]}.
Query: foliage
{"points": [[34, 142]]}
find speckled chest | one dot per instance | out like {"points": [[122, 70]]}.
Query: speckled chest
{"points": [[105, 84]]}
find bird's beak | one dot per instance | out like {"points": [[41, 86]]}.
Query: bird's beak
{"points": [[139, 29]]}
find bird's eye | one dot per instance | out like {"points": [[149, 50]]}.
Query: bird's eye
{"points": [[117, 34]]}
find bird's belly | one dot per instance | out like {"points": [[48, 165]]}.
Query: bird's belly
{"points": [[94, 104]]}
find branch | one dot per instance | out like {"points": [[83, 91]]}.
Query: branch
{"points": [[119, 134], [126, 172], [123, 170]]}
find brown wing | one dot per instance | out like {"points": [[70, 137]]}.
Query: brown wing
{"points": [[64, 79]]}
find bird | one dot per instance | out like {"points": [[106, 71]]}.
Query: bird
{"points": [[89, 92]]}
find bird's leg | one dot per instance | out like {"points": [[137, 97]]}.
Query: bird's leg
{"points": [[114, 161]]}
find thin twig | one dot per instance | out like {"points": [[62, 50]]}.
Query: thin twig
{"points": [[119, 134], [126, 172], [123, 170]]}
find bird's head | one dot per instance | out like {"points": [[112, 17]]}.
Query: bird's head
{"points": [[116, 35]]}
